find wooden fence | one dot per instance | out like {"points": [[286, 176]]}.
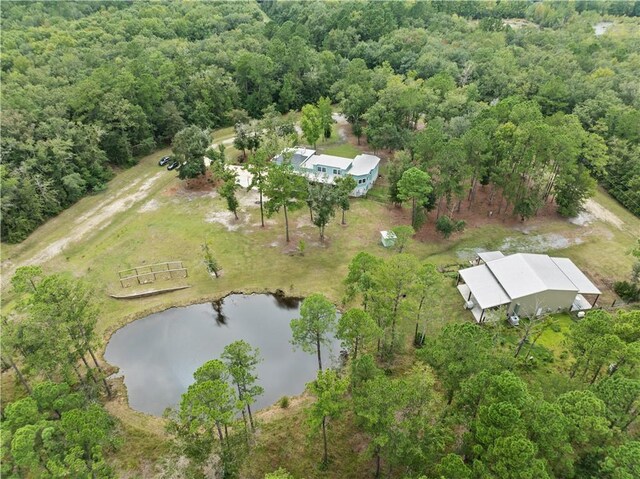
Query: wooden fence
{"points": [[151, 273]]}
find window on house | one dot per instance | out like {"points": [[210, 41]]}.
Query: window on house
{"points": [[336, 172]]}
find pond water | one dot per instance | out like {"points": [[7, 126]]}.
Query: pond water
{"points": [[158, 354], [602, 27]]}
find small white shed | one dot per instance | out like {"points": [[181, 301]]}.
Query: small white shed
{"points": [[388, 238]]}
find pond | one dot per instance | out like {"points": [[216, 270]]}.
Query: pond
{"points": [[158, 354]]}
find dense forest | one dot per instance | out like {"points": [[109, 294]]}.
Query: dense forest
{"points": [[537, 111]]}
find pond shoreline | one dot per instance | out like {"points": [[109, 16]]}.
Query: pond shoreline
{"points": [[128, 319], [158, 356], [118, 382]]}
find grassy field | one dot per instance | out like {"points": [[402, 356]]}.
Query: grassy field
{"points": [[552, 339], [347, 151], [146, 215]]}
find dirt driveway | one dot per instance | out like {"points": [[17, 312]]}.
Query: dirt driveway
{"points": [[90, 222]]}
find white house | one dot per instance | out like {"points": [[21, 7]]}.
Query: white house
{"points": [[325, 168], [525, 284]]}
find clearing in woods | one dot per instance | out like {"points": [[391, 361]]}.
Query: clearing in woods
{"points": [[147, 215]]}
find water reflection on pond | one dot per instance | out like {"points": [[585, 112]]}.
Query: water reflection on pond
{"points": [[159, 353]]}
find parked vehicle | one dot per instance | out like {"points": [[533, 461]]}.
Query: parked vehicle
{"points": [[164, 160], [173, 165]]}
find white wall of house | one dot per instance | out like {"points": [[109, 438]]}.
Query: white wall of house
{"points": [[549, 301]]}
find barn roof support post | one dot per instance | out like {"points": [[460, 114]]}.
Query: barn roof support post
{"points": [[481, 320], [458, 280], [593, 305]]}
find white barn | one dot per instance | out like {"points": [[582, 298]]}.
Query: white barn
{"points": [[525, 284]]}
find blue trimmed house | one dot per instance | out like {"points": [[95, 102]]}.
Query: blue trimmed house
{"points": [[325, 168]]}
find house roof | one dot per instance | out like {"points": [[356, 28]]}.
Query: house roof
{"points": [[484, 286], [329, 161], [363, 164], [577, 277], [298, 155], [487, 256], [524, 274], [499, 281]]}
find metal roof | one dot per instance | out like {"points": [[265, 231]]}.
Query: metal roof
{"points": [[487, 256], [328, 161], [549, 272], [363, 164], [484, 286], [524, 274], [577, 277]]}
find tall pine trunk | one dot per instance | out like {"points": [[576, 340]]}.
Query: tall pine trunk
{"points": [[413, 212], [253, 427], [104, 380], [318, 350], [261, 208], [325, 459], [244, 414], [76, 370], [286, 223], [89, 370], [21, 378]]}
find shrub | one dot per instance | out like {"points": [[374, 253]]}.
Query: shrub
{"points": [[284, 402], [302, 246], [627, 291], [447, 226]]}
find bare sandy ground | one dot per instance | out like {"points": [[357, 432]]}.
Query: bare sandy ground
{"points": [[595, 211], [90, 222]]}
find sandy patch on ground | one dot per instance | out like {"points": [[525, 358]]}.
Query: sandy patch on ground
{"points": [[244, 178], [226, 219], [341, 120], [304, 221], [538, 243], [96, 219], [149, 206], [526, 244], [517, 23], [267, 222], [595, 211], [250, 199]]}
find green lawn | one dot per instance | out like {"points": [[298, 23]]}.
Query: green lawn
{"points": [[345, 150], [554, 340]]}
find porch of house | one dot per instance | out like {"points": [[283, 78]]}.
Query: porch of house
{"points": [[581, 304], [465, 292]]}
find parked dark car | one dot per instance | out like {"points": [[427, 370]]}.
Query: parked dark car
{"points": [[164, 160], [173, 165]]}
